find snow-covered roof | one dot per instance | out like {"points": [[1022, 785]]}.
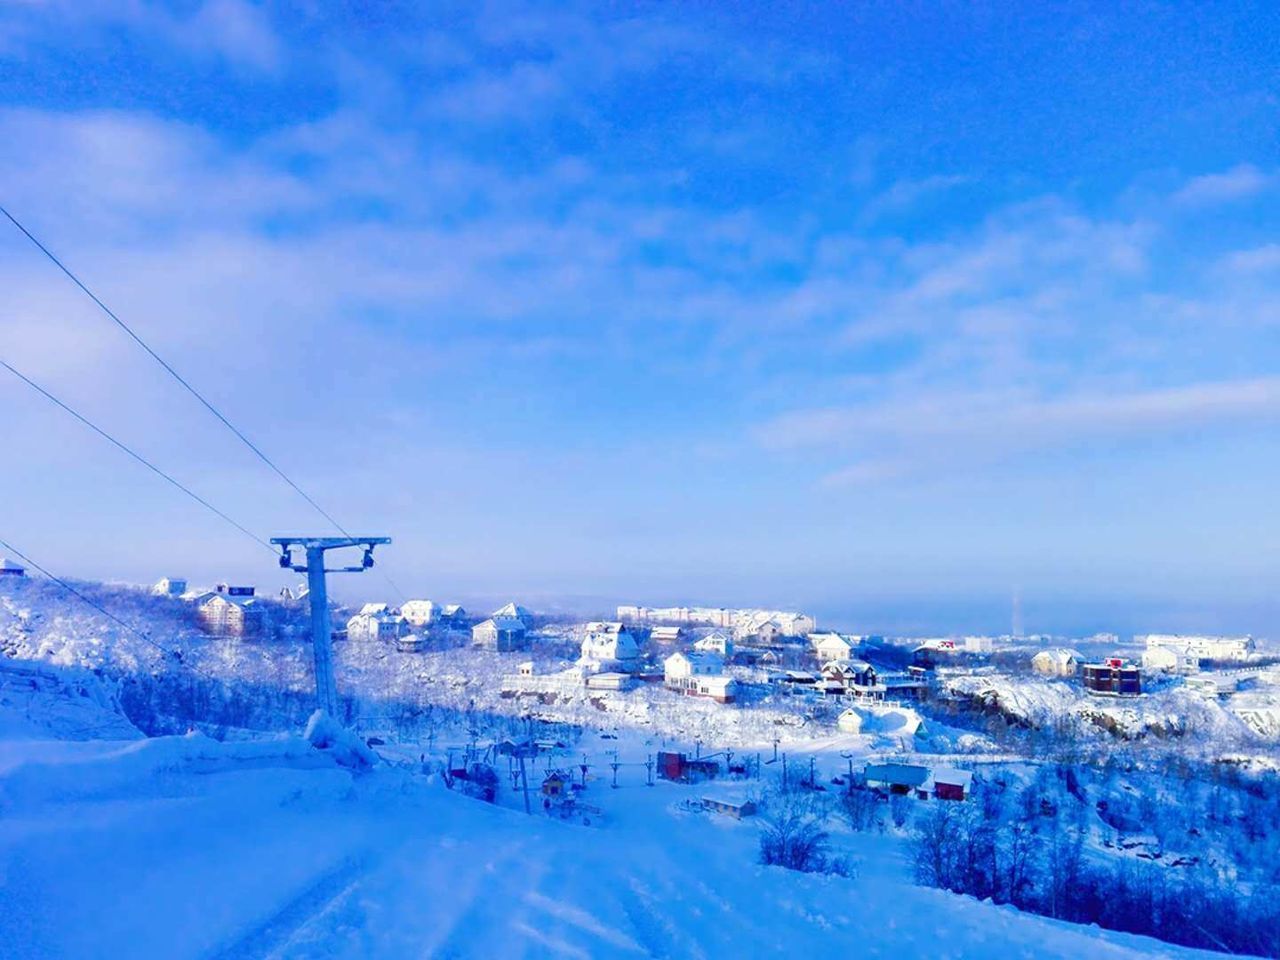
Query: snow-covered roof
{"points": [[503, 623], [952, 777], [512, 611], [904, 774], [1060, 655], [704, 659], [7, 564], [373, 609]]}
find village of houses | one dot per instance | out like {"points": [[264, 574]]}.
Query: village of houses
{"points": [[897, 698]]}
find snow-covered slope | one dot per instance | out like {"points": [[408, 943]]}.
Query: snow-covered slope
{"points": [[184, 847]]}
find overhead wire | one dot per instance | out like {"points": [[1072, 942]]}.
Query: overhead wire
{"points": [[135, 455], [208, 405]]}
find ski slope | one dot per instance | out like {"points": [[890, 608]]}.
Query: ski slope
{"points": [[183, 847]]}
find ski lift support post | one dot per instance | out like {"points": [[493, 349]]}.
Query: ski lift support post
{"points": [[321, 631]]}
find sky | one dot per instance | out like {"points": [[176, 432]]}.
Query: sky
{"points": [[883, 311]]}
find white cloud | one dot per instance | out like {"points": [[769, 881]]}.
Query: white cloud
{"points": [[912, 436], [1239, 182], [905, 194], [1262, 259]]}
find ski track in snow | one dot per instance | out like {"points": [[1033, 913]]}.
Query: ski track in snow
{"points": [[274, 937]]}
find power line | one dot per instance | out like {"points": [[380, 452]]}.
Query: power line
{"points": [[172, 654], [177, 376], [136, 456]]}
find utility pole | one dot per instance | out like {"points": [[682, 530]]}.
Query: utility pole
{"points": [[849, 787], [318, 594], [813, 777], [784, 771], [648, 770], [524, 779], [615, 766]]}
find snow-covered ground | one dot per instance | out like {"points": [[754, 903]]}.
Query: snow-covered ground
{"points": [[182, 847], [251, 842]]}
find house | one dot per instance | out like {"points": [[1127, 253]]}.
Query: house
{"points": [[1114, 675], [896, 778], [555, 784], [231, 616], [609, 644], [830, 646], [420, 613], [169, 587], [681, 665], [845, 674], [1204, 647], [671, 636], [758, 626], [610, 681], [949, 784], [736, 810], [716, 643], [501, 634], [721, 689], [794, 624], [1169, 660], [411, 643], [377, 621], [1214, 685], [698, 674], [453, 615], [8, 568], [850, 721], [233, 591], [684, 769], [513, 611], [1057, 662]]}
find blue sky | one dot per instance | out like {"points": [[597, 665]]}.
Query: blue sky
{"points": [[881, 310]]}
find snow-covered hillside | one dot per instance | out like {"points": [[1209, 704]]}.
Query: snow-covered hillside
{"points": [[184, 847]]}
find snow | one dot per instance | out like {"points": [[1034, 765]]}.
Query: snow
{"points": [[184, 847], [259, 844]]}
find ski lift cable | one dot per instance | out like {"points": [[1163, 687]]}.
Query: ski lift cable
{"points": [[171, 654], [134, 454], [182, 380]]}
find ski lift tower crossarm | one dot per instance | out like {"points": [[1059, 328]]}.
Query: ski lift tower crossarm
{"points": [[321, 632]]}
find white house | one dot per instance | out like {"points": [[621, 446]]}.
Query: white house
{"points": [[420, 613], [500, 634], [1169, 660], [231, 616], [170, 587], [609, 643], [850, 721], [830, 646], [1204, 647], [680, 665], [716, 643], [513, 611], [698, 674], [1057, 662], [376, 621]]}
